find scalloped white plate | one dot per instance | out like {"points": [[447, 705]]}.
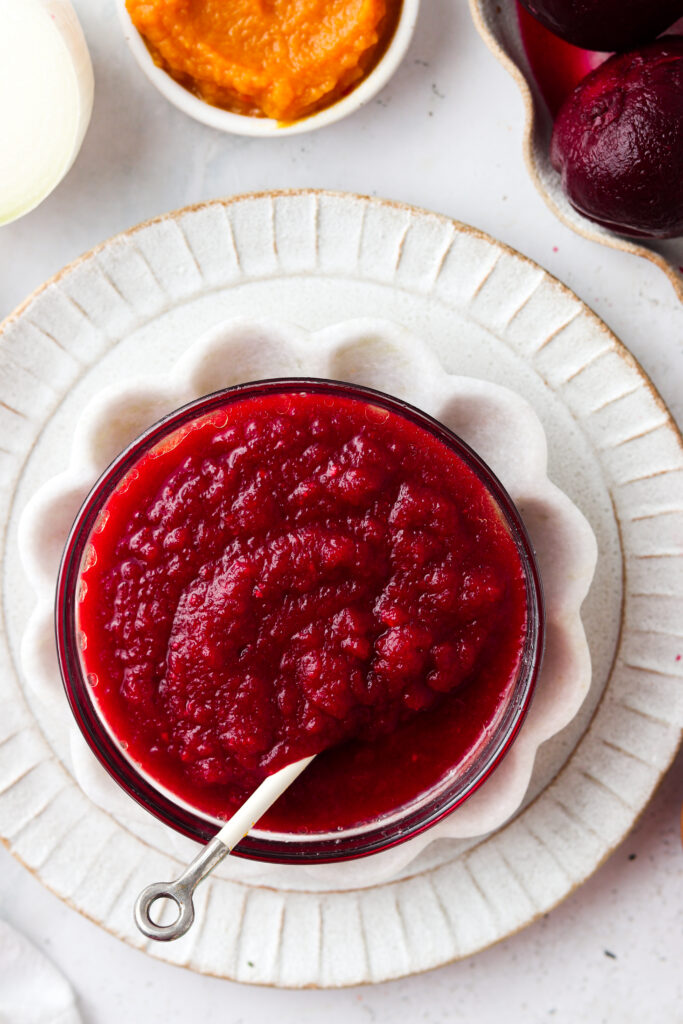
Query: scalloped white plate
{"points": [[498, 25], [132, 307], [495, 421]]}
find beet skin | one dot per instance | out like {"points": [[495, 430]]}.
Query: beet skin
{"points": [[618, 142], [606, 24]]}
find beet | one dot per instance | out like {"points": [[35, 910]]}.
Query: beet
{"points": [[607, 25], [618, 142]]}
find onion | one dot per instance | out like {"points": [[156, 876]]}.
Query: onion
{"points": [[46, 96]]}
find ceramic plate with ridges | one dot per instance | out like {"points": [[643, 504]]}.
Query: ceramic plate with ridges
{"points": [[132, 306]]}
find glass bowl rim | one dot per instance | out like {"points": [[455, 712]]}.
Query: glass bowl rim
{"points": [[304, 848]]}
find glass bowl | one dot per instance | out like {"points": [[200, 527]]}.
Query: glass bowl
{"points": [[383, 832]]}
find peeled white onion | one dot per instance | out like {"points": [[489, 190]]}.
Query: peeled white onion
{"points": [[46, 96]]}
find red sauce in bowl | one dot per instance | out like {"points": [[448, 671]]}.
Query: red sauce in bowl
{"points": [[293, 573]]}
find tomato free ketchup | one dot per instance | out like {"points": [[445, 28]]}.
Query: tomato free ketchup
{"points": [[297, 573]]}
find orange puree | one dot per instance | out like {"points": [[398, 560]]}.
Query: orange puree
{"points": [[275, 58]]}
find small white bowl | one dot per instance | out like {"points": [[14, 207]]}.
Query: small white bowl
{"points": [[242, 124]]}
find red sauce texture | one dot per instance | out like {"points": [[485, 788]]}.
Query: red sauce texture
{"points": [[297, 573]]}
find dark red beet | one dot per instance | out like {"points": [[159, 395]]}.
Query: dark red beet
{"points": [[606, 24], [618, 142]]}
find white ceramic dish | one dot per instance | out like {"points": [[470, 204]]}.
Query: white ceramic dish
{"points": [[498, 424], [131, 308], [498, 25], [263, 127]]}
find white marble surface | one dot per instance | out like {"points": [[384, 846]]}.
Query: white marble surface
{"points": [[445, 134]]}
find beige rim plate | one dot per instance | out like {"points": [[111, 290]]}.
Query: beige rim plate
{"points": [[314, 259]]}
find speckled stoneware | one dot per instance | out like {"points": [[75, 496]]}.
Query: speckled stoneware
{"points": [[498, 24], [496, 422], [131, 308]]}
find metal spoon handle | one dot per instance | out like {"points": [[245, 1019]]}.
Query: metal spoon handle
{"points": [[180, 891]]}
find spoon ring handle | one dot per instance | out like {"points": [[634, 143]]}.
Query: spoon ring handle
{"points": [[180, 892]]}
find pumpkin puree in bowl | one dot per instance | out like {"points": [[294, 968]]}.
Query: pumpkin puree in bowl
{"points": [[282, 59]]}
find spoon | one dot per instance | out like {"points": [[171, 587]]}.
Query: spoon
{"points": [[180, 891]]}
